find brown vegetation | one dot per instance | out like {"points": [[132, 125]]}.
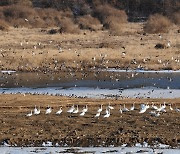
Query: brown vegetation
{"points": [[88, 22], [55, 13], [77, 51], [3, 26], [68, 26], [176, 18], [157, 24], [111, 18]]}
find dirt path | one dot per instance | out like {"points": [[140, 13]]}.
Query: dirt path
{"points": [[73, 130]]}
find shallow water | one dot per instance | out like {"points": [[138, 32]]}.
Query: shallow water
{"points": [[97, 84], [90, 150]]}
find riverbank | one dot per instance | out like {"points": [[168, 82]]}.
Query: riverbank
{"points": [[73, 130], [30, 50]]}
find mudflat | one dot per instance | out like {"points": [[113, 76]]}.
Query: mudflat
{"points": [[73, 130]]}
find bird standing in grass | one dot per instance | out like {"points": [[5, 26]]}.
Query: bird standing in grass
{"points": [[110, 107], [125, 109], [71, 110], [143, 108], [76, 110], [120, 109], [49, 110], [132, 107], [29, 114], [59, 111], [37, 111], [100, 109], [97, 114], [107, 115]]}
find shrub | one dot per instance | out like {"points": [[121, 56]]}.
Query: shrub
{"points": [[105, 11], [18, 15], [3, 26], [176, 18], [157, 24], [88, 22], [53, 31], [68, 26], [111, 18]]}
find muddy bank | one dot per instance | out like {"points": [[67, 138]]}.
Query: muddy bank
{"points": [[73, 130]]}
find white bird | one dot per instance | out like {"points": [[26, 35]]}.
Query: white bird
{"points": [[49, 110], [132, 107], [163, 110], [85, 109], [71, 110], [170, 107], [82, 113], [164, 105], [157, 114], [120, 109], [143, 108], [161, 107], [29, 114], [169, 44], [154, 107], [76, 110], [160, 36], [125, 109], [153, 113], [107, 113], [147, 106], [36, 111], [100, 109], [97, 114], [177, 110], [59, 111], [110, 107]]}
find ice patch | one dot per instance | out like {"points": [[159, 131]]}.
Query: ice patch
{"points": [[9, 71], [139, 71]]}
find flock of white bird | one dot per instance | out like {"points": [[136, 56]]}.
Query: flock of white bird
{"points": [[75, 110]]}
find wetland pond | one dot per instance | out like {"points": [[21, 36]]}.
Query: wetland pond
{"points": [[95, 84]]}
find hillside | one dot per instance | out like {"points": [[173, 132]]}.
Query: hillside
{"points": [[83, 13]]}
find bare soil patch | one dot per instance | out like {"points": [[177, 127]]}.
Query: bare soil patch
{"points": [[73, 130]]}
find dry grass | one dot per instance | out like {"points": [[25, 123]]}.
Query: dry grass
{"points": [[88, 22], [157, 24], [77, 50], [4, 26]]}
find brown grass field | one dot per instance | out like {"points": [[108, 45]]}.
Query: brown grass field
{"points": [[24, 49]]}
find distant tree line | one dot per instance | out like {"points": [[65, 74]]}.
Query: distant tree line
{"points": [[133, 8]]}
